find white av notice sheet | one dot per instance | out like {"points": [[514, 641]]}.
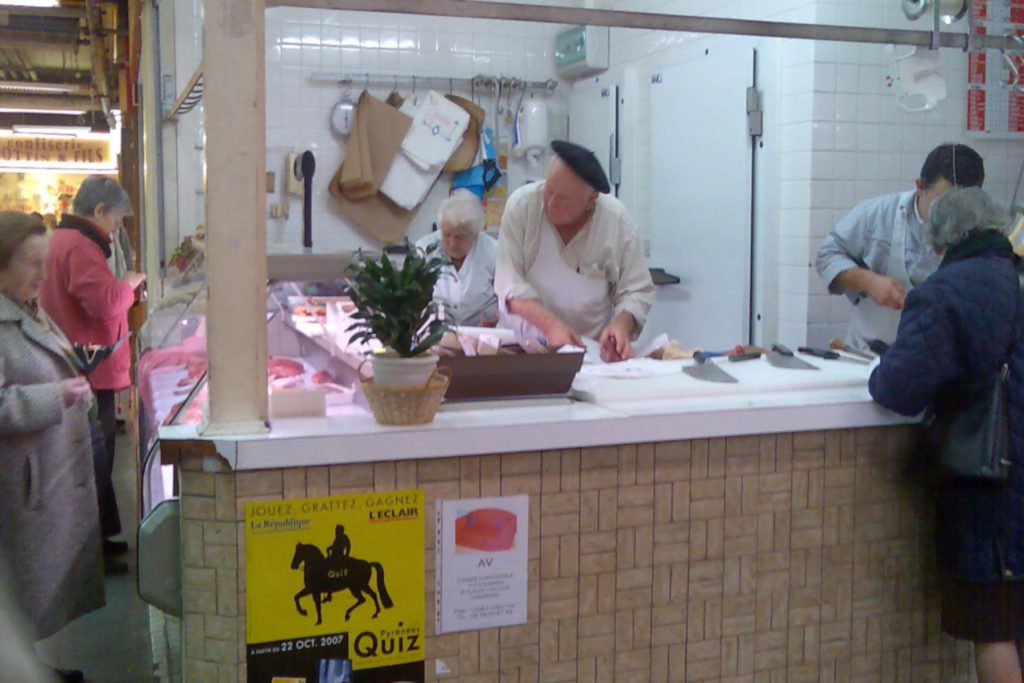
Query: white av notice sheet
{"points": [[482, 551]]}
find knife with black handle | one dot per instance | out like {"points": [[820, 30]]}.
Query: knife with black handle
{"points": [[781, 350], [700, 357], [878, 346], [828, 354]]}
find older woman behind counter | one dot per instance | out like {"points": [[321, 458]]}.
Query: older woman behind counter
{"points": [[465, 288]]}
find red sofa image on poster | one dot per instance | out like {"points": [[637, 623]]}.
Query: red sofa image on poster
{"points": [[488, 529]]}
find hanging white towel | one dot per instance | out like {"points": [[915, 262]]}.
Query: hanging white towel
{"points": [[436, 132], [406, 184]]}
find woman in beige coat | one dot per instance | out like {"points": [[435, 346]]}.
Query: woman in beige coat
{"points": [[49, 522]]}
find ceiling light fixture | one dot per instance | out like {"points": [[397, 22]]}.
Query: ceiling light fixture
{"points": [[36, 110], [29, 3], [64, 131]]}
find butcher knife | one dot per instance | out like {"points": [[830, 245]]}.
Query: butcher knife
{"points": [[782, 357], [828, 354], [705, 369], [837, 345], [878, 346]]}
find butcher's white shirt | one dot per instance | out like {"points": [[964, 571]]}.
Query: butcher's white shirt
{"points": [[608, 248], [468, 295]]}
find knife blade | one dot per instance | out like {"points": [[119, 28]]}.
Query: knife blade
{"points": [[708, 371], [782, 357], [828, 354]]}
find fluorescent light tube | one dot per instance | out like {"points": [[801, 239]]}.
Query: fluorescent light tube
{"points": [[29, 3], [36, 110], [19, 86], [68, 131]]}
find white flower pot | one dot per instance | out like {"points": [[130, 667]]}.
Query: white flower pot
{"points": [[392, 370]]}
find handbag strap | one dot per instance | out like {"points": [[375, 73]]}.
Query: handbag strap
{"points": [[1017, 331]]}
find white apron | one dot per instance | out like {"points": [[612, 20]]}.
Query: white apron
{"points": [[871, 321], [583, 303], [468, 294]]}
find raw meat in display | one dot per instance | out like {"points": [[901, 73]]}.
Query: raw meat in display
{"points": [[281, 368]]}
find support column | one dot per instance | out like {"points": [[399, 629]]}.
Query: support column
{"points": [[236, 275]]}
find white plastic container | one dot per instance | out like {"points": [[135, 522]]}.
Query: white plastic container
{"points": [[391, 370]]}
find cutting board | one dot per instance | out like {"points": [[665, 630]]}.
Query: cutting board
{"points": [[639, 381]]}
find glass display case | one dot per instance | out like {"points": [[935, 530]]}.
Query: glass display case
{"points": [[311, 368], [171, 377]]}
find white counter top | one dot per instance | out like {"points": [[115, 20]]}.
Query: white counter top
{"points": [[838, 400]]}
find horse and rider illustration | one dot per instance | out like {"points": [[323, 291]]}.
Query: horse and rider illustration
{"points": [[337, 572]]}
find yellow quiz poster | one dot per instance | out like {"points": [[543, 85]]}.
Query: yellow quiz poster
{"points": [[335, 589]]}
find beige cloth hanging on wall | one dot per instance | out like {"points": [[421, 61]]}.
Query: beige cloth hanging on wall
{"points": [[377, 134], [464, 155]]}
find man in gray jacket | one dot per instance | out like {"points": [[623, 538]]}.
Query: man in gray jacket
{"points": [[877, 253]]}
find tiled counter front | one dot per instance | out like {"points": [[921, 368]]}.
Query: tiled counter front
{"points": [[779, 558]]}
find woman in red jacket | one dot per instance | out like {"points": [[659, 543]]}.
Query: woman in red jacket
{"points": [[91, 306]]}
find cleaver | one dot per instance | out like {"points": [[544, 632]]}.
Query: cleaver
{"points": [[706, 370], [782, 357]]}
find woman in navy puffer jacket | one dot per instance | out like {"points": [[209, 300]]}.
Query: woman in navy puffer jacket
{"points": [[958, 325]]}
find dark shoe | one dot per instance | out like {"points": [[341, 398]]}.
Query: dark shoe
{"points": [[114, 548], [112, 567], [69, 676]]}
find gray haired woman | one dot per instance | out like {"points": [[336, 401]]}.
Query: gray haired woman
{"points": [[466, 288], [90, 304], [963, 323], [49, 523]]}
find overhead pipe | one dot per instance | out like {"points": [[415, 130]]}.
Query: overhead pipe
{"points": [[477, 9]]}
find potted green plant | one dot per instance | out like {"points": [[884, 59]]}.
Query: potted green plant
{"points": [[396, 307]]}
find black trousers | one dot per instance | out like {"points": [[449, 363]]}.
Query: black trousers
{"points": [[103, 463]]}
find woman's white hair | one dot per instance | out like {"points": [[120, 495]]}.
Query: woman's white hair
{"points": [[461, 209], [961, 211]]}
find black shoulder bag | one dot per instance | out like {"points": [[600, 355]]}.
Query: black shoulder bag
{"points": [[969, 427]]}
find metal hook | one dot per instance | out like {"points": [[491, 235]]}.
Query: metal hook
{"points": [[451, 87], [395, 88], [367, 86], [415, 97], [1014, 67]]}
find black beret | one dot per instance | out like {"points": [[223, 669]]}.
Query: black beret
{"points": [[584, 163]]}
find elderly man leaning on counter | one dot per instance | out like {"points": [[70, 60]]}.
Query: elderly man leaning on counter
{"points": [[878, 253], [570, 263]]}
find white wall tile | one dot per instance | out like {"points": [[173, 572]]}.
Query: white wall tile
{"points": [[825, 77], [823, 136], [845, 165], [845, 137], [818, 334], [847, 78], [793, 280], [301, 42], [818, 308], [847, 107]]}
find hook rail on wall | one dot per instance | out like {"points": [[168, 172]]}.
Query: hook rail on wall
{"points": [[479, 81]]}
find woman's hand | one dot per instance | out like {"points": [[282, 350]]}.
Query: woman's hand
{"points": [[74, 390], [133, 279]]}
